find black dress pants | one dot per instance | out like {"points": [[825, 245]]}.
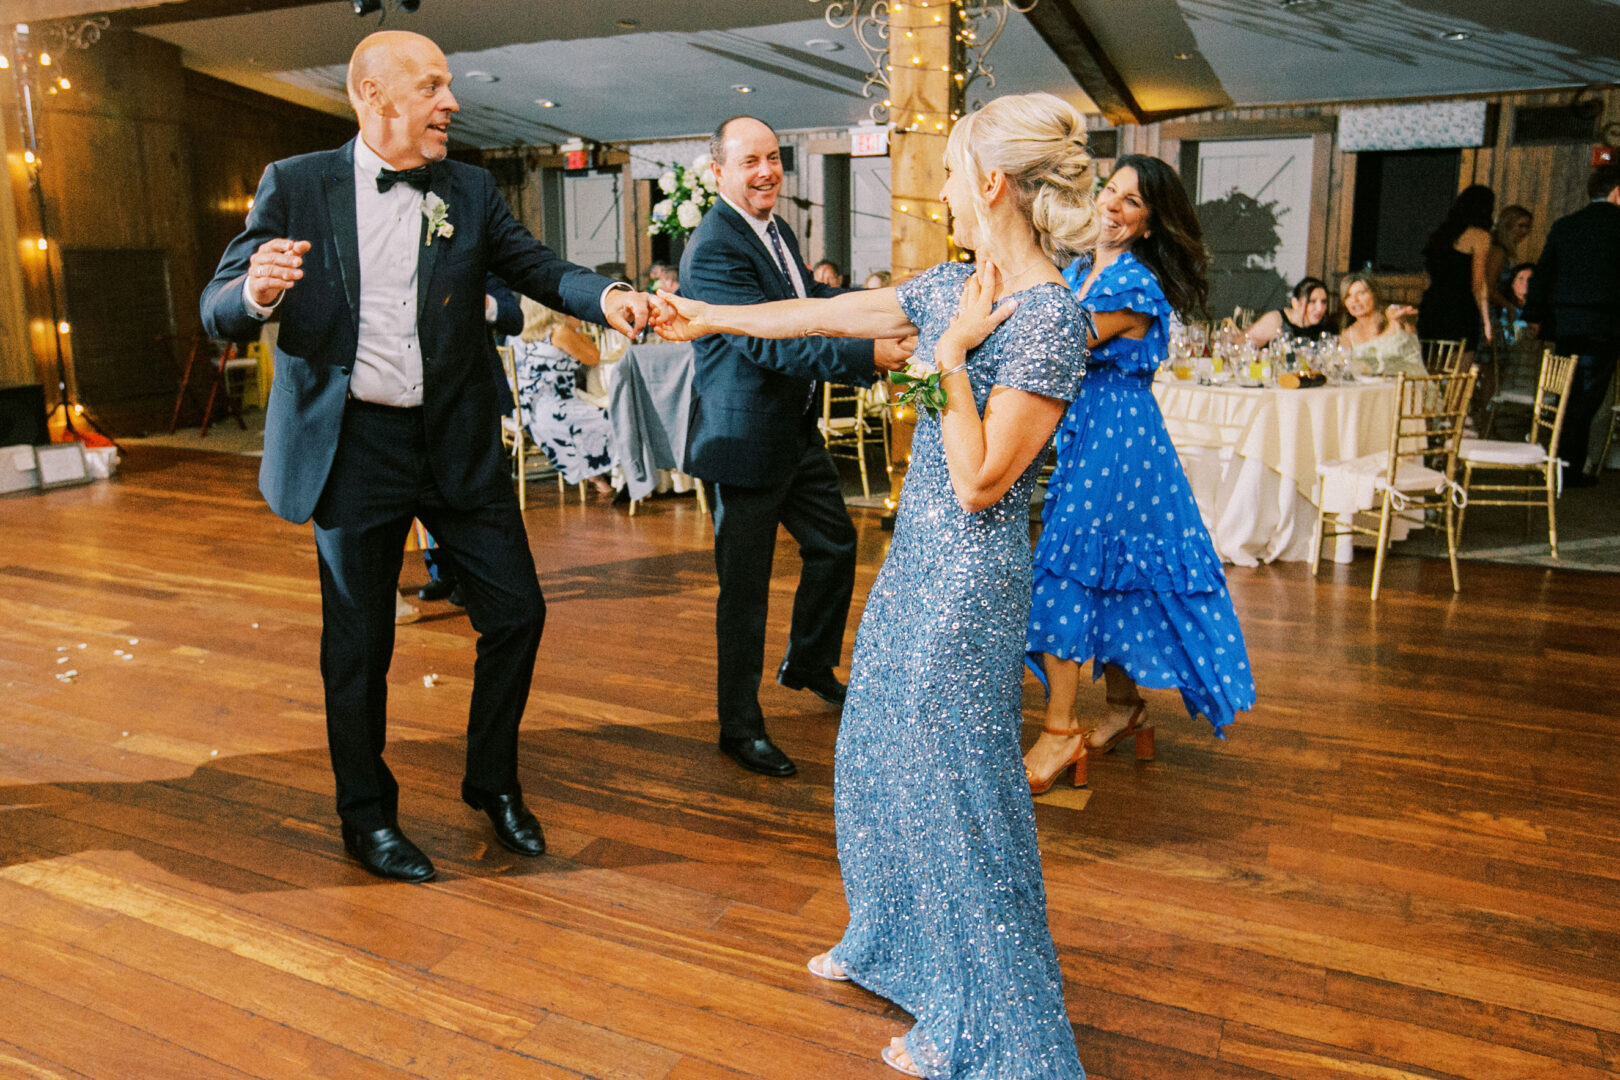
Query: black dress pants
{"points": [[810, 504], [1594, 367], [380, 479]]}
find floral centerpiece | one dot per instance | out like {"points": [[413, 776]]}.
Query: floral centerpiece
{"points": [[688, 190]]}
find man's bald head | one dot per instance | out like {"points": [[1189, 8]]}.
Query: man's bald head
{"points": [[399, 86], [380, 56]]}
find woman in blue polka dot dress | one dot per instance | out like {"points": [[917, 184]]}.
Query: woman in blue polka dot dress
{"points": [[1125, 574]]}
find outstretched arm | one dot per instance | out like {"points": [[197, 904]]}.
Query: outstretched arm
{"points": [[868, 313]]}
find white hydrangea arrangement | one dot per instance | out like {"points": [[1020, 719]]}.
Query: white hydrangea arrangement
{"points": [[688, 190]]}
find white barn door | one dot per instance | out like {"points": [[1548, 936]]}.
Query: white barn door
{"points": [[1254, 201], [593, 232], [871, 246]]}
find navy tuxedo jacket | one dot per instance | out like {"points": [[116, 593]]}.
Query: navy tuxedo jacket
{"points": [[749, 394], [312, 198], [1575, 291]]}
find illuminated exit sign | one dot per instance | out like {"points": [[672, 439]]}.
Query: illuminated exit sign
{"points": [[868, 141]]}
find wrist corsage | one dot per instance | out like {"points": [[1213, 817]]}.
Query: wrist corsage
{"points": [[919, 388]]}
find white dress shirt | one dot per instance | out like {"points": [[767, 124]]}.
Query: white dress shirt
{"points": [[761, 230], [388, 226]]}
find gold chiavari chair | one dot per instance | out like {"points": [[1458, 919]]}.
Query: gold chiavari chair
{"points": [[1608, 440], [1530, 456], [1443, 357], [847, 413], [1414, 475]]}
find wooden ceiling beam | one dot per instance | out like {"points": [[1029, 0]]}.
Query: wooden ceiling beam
{"points": [[1072, 42], [194, 10]]}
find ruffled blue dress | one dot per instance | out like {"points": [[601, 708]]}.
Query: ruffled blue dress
{"points": [[1125, 572]]}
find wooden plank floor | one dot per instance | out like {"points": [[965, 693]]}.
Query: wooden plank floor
{"points": [[1405, 863]]}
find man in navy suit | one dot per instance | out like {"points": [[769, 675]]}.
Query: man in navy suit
{"points": [[384, 408], [503, 315], [1575, 302], [753, 436]]}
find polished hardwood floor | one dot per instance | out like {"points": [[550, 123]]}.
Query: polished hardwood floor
{"points": [[1404, 863]]}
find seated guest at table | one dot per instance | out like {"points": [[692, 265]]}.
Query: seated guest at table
{"points": [[877, 279], [662, 275], [1125, 573], [1304, 318], [1380, 336], [549, 356], [828, 273], [1518, 284]]}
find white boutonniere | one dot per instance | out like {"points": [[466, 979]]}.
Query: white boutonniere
{"points": [[437, 212]]}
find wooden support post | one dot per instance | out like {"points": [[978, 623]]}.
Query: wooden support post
{"points": [[922, 93]]}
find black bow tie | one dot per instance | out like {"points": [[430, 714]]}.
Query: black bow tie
{"points": [[418, 178]]}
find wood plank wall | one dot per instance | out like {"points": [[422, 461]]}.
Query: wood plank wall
{"points": [[139, 154], [1549, 181], [233, 134]]}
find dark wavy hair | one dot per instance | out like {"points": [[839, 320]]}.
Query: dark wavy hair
{"points": [[1473, 208], [1174, 246]]}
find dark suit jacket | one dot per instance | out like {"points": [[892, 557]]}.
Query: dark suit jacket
{"points": [[748, 394], [1575, 291], [312, 198], [508, 309]]}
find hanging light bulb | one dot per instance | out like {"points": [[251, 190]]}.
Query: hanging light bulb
{"points": [[62, 327], [44, 59], [28, 156], [42, 243], [64, 84]]}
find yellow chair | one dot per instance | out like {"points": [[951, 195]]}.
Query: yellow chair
{"points": [[1443, 357], [847, 413], [1530, 456], [1608, 440], [1414, 475]]}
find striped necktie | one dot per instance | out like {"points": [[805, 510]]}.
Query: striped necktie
{"points": [[781, 258]]}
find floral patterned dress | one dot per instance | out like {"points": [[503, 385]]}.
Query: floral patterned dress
{"points": [[574, 434]]}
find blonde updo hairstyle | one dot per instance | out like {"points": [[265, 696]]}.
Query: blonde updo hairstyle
{"points": [[1038, 142], [538, 320]]}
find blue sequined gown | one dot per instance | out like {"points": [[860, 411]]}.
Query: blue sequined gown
{"points": [[936, 831], [1125, 572]]}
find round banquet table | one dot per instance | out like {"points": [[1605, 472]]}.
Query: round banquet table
{"points": [[1251, 456]]}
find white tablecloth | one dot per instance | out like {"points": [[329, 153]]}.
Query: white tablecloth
{"points": [[1251, 456]]}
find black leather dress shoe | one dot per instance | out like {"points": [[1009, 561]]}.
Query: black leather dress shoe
{"points": [[387, 853], [515, 827], [437, 589], [759, 755], [823, 683]]}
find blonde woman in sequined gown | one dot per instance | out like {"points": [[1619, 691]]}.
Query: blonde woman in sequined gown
{"points": [[936, 831]]}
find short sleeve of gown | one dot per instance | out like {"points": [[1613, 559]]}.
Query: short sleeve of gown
{"points": [[1047, 351], [1127, 285], [932, 296]]}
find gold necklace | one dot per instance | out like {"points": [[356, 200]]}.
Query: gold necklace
{"points": [[1021, 273]]}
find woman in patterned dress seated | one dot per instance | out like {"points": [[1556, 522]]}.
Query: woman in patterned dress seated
{"points": [[549, 357], [1125, 573], [1383, 343], [936, 830]]}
